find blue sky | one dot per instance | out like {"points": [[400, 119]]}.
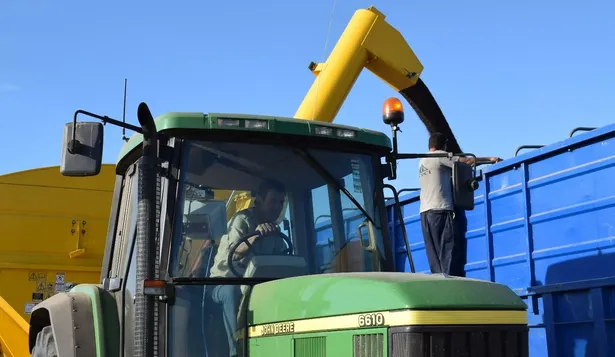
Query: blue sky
{"points": [[504, 73]]}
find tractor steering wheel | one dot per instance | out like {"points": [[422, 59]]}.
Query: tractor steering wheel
{"points": [[245, 238]]}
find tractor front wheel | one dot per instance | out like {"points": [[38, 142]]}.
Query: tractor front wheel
{"points": [[45, 344]]}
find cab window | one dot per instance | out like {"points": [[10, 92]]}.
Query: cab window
{"points": [[320, 203]]}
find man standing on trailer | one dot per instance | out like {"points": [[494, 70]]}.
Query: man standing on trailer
{"points": [[438, 223]]}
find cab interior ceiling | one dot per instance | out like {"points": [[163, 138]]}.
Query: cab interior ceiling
{"points": [[233, 166]]}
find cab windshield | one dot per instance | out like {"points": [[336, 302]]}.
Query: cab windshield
{"points": [[301, 211], [316, 212]]}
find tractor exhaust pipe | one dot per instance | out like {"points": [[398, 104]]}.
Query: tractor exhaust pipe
{"points": [[146, 229]]}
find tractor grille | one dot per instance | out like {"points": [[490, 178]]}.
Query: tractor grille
{"points": [[459, 341], [369, 345], [310, 347]]}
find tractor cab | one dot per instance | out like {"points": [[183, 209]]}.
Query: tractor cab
{"points": [[210, 207], [324, 203], [220, 178]]}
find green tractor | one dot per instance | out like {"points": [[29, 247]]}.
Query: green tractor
{"points": [[304, 269]]}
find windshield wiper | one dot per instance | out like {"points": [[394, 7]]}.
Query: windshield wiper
{"points": [[310, 160]]}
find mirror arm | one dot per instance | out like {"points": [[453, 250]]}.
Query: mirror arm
{"points": [[397, 156], [75, 147], [105, 119], [391, 173], [389, 170]]}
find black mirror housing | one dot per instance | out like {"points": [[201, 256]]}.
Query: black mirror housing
{"points": [[83, 155], [198, 227], [464, 185]]}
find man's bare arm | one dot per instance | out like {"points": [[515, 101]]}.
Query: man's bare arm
{"points": [[479, 160]]}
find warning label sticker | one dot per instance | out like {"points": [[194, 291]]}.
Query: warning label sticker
{"points": [[34, 276], [60, 278], [28, 307], [41, 287]]}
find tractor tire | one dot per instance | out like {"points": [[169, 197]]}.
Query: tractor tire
{"points": [[45, 344]]}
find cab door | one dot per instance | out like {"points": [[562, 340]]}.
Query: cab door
{"points": [[120, 279]]}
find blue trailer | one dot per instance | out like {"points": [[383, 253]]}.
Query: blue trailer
{"points": [[544, 225]]}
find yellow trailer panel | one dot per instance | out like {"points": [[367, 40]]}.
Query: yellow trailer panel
{"points": [[53, 231]]}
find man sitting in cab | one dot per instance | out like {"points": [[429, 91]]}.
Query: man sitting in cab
{"points": [[261, 218]]}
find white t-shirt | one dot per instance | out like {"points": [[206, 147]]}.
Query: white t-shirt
{"points": [[435, 178]]}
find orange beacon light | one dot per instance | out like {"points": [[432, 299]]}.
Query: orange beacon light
{"points": [[392, 112]]}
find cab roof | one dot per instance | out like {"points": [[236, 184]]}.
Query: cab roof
{"points": [[258, 123]]}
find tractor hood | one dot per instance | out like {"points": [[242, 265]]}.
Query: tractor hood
{"points": [[348, 293]]}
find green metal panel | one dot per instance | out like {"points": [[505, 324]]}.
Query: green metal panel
{"points": [[200, 121], [336, 294], [333, 344], [278, 346]]}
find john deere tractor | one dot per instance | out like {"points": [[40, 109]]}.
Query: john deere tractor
{"points": [[262, 236]]}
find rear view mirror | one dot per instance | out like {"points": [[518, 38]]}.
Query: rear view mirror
{"points": [[198, 227], [464, 185], [82, 152], [207, 222], [371, 236]]}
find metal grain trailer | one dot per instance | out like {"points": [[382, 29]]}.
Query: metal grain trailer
{"points": [[544, 225], [52, 235]]}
